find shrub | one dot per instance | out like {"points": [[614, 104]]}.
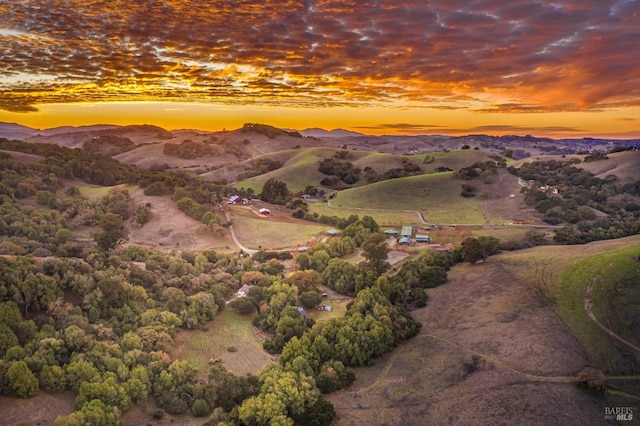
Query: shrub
{"points": [[200, 408]]}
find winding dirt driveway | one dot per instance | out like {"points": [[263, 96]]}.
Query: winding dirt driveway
{"points": [[587, 307]]}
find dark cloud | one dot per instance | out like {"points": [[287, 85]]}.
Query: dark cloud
{"points": [[565, 55]]}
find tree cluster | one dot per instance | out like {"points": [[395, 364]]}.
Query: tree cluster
{"points": [[102, 327], [109, 145], [592, 208], [269, 131], [188, 149], [274, 192], [340, 169], [260, 167]]}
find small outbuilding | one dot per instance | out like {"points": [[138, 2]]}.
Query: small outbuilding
{"points": [[423, 238], [406, 231], [243, 291], [236, 199]]}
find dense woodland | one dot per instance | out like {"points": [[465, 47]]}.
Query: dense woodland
{"points": [[591, 208]]}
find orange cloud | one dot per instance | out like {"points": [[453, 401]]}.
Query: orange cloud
{"points": [[486, 56]]}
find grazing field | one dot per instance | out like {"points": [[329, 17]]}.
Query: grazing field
{"points": [[567, 272], [382, 217], [171, 229], [297, 172], [201, 347], [437, 196], [491, 351], [273, 232]]}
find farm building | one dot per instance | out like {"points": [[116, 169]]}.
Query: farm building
{"points": [[332, 232], [391, 232], [404, 240], [423, 238], [406, 231], [236, 199], [264, 212]]}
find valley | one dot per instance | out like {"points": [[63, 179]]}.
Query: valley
{"points": [[128, 256]]}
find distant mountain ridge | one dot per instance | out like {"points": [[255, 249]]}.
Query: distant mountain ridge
{"points": [[317, 132], [521, 146]]}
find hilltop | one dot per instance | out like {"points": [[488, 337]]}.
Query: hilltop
{"points": [[279, 139]]}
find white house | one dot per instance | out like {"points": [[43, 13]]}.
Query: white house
{"points": [[244, 290]]}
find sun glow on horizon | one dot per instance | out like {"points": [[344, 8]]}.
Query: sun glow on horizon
{"points": [[370, 120]]}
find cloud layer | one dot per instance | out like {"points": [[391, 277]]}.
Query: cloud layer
{"points": [[484, 55]]}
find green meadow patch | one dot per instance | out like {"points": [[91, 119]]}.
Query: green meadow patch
{"points": [[267, 233], [203, 348], [297, 172], [95, 192], [437, 196]]}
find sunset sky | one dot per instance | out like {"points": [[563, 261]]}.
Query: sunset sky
{"points": [[547, 68]]}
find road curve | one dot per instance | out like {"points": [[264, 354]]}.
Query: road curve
{"points": [[587, 307]]}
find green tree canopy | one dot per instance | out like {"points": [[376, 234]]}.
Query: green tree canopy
{"points": [[475, 249], [112, 233], [274, 191], [21, 380]]}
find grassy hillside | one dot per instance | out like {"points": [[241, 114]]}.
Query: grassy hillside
{"points": [[231, 170], [437, 196], [270, 233], [301, 168], [564, 273], [297, 172], [625, 165], [148, 155], [384, 218]]}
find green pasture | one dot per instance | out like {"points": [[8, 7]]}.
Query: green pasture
{"points": [[384, 218], [267, 233], [437, 196], [297, 172], [228, 329]]}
